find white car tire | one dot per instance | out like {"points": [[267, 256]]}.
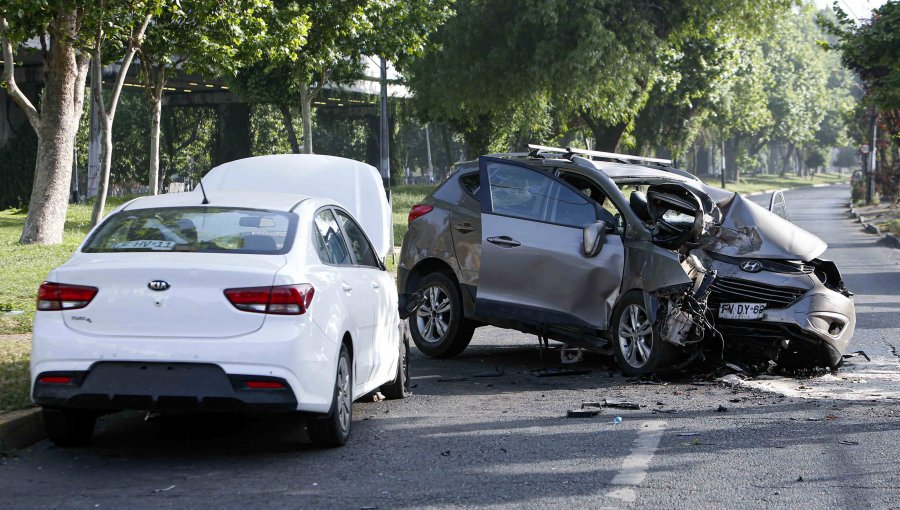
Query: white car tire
{"points": [[334, 429]]}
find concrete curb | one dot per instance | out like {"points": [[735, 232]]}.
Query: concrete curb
{"points": [[889, 240], [766, 192], [20, 429]]}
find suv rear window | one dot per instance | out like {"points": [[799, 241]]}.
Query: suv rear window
{"points": [[471, 182], [195, 229]]}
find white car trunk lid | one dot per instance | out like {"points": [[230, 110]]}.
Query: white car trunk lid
{"points": [[193, 303]]}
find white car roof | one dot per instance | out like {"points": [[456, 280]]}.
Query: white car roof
{"points": [[251, 200], [353, 185]]}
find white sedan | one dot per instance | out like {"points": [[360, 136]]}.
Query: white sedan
{"points": [[236, 298]]}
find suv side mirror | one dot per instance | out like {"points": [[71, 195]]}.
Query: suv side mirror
{"points": [[594, 238]]}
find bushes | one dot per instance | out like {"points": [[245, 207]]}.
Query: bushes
{"points": [[17, 171]]}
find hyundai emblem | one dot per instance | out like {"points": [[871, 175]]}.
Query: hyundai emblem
{"points": [[751, 266]]}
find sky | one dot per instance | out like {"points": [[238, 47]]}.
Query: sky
{"points": [[860, 9]]}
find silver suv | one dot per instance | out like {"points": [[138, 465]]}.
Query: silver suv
{"points": [[621, 255]]}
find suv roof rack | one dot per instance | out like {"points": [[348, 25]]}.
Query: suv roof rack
{"points": [[569, 151]]}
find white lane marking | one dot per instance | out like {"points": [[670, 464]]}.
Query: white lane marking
{"points": [[634, 467]]}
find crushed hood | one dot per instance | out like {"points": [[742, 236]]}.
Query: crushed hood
{"points": [[751, 231]]}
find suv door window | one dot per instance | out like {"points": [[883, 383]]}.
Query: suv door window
{"points": [[530, 194], [335, 249], [359, 244]]}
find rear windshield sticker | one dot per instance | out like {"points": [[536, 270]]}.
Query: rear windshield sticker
{"points": [[145, 245]]}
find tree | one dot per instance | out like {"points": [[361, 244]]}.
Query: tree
{"points": [[594, 66], [123, 24], [65, 38], [872, 50], [340, 33], [213, 38]]}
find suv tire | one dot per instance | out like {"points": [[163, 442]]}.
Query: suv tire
{"points": [[637, 347], [439, 328]]}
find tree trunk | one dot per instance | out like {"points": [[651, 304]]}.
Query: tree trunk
{"points": [[155, 119], [288, 120], [106, 165], [306, 115], [61, 106], [606, 137], [732, 148], [786, 160], [108, 116]]}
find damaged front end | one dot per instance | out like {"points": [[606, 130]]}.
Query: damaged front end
{"points": [[758, 291]]}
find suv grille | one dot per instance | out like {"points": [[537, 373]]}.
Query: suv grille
{"points": [[735, 290]]}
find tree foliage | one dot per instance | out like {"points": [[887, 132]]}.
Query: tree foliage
{"points": [[341, 33], [596, 65]]}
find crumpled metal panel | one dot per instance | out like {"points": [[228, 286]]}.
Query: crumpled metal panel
{"points": [[749, 230]]}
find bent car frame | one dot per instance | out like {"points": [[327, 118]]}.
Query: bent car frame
{"points": [[622, 255]]}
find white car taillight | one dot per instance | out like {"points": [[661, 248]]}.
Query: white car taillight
{"points": [[63, 296], [278, 300]]}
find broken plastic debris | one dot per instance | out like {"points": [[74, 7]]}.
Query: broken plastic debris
{"points": [[617, 420], [734, 367], [622, 404], [569, 355], [582, 413], [855, 354], [730, 380], [167, 489]]}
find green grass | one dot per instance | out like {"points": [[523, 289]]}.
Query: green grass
{"points": [[763, 182], [891, 226], [24, 267], [405, 197], [14, 374]]}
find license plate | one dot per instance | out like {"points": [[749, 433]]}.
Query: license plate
{"points": [[741, 311]]}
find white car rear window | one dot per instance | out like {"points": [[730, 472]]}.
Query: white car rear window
{"points": [[195, 229]]}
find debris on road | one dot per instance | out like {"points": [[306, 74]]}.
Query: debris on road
{"points": [[722, 409], [730, 380], [617, 420], [569, 355], [445, 453], [167, 489], [848, 442], [582, 413], [850, 355], [688, 434], [622, 404], [557, 372]]}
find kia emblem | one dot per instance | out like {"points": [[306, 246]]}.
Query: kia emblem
{"points": [[158, 285], [751, 266]]}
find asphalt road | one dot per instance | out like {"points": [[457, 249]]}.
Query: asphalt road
{"points": [[468, 441]]}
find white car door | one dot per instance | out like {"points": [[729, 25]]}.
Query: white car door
{"points": [[383, 297], [356, 294]]}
